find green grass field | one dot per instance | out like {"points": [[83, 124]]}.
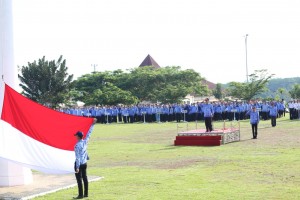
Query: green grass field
{"points": [[139, 161]]}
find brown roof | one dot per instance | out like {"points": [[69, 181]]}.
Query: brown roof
{"points": [[209, 84], [149, 61]]}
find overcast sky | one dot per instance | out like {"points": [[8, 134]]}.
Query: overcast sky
{"points": [[207, 36]]}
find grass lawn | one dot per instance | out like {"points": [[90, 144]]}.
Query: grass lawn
{"points": [[139, 161]]}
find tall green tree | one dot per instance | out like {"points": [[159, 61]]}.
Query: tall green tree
{"points": [[99, 89], [257, 85], [46, 82], [281, 93], [167, 85], [218, 91], [295, 91]]}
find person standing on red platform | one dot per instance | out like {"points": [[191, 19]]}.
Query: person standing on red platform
{"points": [[208, 112]]}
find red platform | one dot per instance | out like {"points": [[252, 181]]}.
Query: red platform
{"points": [[200, 137], [198, 140]]}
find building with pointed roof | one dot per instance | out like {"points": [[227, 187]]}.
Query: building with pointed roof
{"points": [[190, 98], [149, 61]]}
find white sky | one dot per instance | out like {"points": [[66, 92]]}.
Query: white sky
{"points": [[207, 36]]}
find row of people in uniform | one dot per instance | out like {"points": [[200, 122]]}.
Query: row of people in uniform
{"points": [[175, 112], [294, 109]]}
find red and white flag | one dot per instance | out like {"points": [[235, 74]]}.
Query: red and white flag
{"points": [[36, 136]]}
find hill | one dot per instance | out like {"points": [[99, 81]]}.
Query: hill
{"points": [[285, 83], [276, 83]]}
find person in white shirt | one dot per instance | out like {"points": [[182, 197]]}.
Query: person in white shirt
{"points": [[296, 109], [291, 109]]}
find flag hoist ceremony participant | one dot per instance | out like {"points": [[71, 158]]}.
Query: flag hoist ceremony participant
{"points": [[44, 144]]}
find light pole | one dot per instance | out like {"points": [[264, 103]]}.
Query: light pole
{"points": [[94, 65], [246, 57]]}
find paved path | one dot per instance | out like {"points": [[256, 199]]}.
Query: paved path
{"points": [[42, 184]]}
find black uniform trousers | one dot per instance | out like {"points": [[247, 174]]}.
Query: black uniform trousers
{"points": [[208, 123], [273, 121], [254, 130], [81, 175]]}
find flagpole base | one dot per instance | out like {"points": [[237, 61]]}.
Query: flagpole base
{"points": [[12, 174]]}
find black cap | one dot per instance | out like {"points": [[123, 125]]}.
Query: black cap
{"points": [[79, 134]]}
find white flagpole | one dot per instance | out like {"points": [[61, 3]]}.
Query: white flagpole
{"points": [[11, 174]]}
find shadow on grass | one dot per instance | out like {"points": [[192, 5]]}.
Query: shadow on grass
{"points": [[245, 140], [265, 127], [287, 120], [168, 147], [173, 147]]}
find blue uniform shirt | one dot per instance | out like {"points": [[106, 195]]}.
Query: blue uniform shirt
{"points": [[208, 110], [177, 109], [273, 111], [254, 116], [81, 149], [193, 109]]}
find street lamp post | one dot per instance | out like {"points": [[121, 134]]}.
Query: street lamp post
{"points": [[246, 57]]}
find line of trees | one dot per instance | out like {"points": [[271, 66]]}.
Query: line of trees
{"points": [[166, 85], [48, 83]]}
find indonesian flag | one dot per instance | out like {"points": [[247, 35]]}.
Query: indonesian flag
{"points": [[36, 136]]}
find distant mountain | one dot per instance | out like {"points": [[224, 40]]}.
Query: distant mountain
{"points": [[276, 83], [286, 83]]}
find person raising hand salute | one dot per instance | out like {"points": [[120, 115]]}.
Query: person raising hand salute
{"points": [[80, 164]]}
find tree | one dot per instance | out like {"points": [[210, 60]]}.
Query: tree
{"points": [[257, 85], [167, 85], [295, 91], [98, 89], [218, 91], [113, 95], [46, 82], [281, 93]]}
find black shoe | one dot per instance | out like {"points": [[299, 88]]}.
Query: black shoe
{"points": [[78, 197], [86, 195]]}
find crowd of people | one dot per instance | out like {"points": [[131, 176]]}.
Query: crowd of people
{"points": [[186, 112], [294, 109]]}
